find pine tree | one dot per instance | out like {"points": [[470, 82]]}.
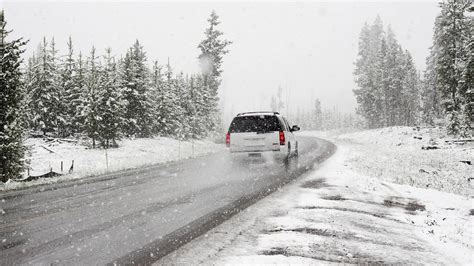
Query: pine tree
{"points": [[453, 33], [77, 96], [387, 80], [157, 97], [90, 110], [11, 101], [273, 104], [431, 96], [58, 92], [110, 107], [317, 115], [280, 103], [213, 48], [201, 106], [29, 83], [171, 104], [467, 76], [369, 75], [45, 91], [195, 107], [395, 74], [362, 77], [68, 93], [185, 107], [135, 84], [381, 88], [410, 96], [468, 84]]}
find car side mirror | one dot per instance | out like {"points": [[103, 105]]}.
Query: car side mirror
{"points": [[295, 128]]}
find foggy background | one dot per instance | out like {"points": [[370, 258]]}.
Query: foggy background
{"points": [[306, 48]]}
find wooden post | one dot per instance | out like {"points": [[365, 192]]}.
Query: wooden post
{"points": [[61, 166], [71, 169], [106, 159]]}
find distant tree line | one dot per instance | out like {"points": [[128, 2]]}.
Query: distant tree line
{"points": [[390, 91], [324, 119], [104, 97], [317, 117]]}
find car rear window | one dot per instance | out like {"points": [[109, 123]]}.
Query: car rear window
{"points": [[261, 123]]}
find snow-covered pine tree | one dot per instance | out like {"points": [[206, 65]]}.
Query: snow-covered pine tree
{"points": [[213, 48], [157, 98], [431, 93], [200, 96], [67, 72], [170, 106], [185, 110], [44, 92], [380, 73], [90, 109], [28, 83], [380, 88], [135, 83], [410, 94], [195, 107], [280, 102], [362, 79], [454, 32], [11, 101], [468, 85], [110, 107], [394, 72], [60, 105], [467, 76], [76, 98], [317, 115], [273, 103], [369, 75]]}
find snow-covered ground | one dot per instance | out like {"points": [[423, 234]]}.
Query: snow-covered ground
{"points": [[132, 153], [395, 154], [346, 212]]}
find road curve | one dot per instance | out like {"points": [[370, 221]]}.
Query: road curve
{"points": [[138, 216]]}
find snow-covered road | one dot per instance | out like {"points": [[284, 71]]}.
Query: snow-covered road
{"points": [[336, 215], [137, 215]]}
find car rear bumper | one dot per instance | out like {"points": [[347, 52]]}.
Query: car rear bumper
{"points": [[281, 153]]}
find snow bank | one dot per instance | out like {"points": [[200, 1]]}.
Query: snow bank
{"points": [[132, 153]]}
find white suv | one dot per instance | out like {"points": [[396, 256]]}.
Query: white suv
{"points": [[255, 133]]}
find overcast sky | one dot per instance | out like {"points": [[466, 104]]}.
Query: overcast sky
{"points": [[307, 48]]}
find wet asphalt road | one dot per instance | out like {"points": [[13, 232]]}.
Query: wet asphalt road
{"points": [[138, 216]]}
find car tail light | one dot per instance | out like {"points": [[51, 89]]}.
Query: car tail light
{"points": [[282, 138], [227, 139]]}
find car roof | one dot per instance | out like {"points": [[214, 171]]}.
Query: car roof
{"points": [[258, 113]]}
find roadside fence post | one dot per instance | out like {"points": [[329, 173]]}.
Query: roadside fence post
{"points": [[106, 159]]}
